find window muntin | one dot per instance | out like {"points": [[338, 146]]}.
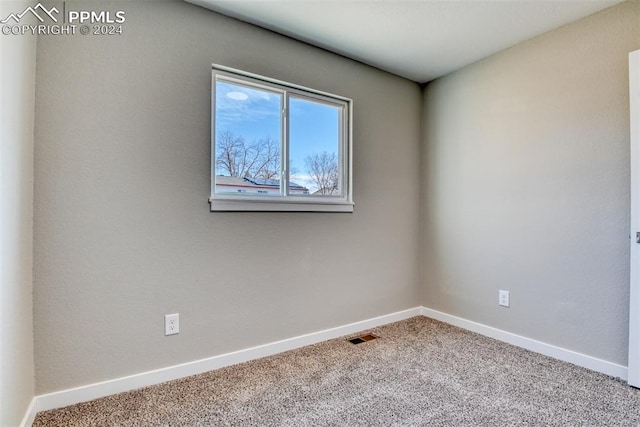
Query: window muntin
{"points": [[277, 146]]}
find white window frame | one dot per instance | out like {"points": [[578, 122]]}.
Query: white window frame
{"points": [[285, 201]]}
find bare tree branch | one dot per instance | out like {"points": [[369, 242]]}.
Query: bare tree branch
{"points": [[234, 157], [323, 169], [268, 166]]}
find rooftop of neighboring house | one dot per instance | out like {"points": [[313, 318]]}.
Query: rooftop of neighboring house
{"points": [[254, 182]]}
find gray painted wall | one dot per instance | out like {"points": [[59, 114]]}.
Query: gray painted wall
{"points": [[17, 86], [123, 232], [526, 187]]}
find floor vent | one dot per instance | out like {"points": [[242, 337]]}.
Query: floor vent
{"points": [[362, 338]]}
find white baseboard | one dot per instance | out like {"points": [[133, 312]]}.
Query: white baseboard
{"points": [[559, 353], [30, 415], [93, 391]]}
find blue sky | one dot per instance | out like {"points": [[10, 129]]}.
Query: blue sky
{"points": [[255, 114]]}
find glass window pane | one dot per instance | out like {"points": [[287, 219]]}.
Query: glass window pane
{"points": [[314, 148], [247, 140]]}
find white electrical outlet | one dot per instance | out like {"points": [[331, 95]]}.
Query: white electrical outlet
{"points": [[172, 324], [503, 298]]}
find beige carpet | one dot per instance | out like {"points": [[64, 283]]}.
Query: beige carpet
{"points": [[419, 372]]}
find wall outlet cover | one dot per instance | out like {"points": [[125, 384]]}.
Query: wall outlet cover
{"points": [[172, 324], [503, 298]]}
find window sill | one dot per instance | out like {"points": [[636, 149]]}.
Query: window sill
{"points": [[235, 205]]}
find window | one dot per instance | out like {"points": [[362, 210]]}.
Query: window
{"points": [[277, 146]]}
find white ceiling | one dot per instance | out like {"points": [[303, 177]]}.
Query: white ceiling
{"points": [[416, 39]]}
